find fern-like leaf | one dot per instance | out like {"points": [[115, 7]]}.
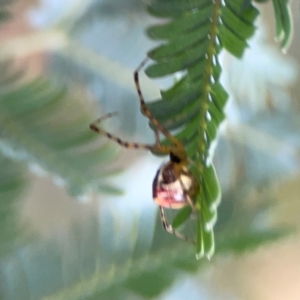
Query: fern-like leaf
{"points": [[194, 106]]}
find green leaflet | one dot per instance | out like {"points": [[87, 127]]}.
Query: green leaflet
{"points": [[211, 187], [219, 96], [247, 13], [183, 24], [237, 25], [181, 61], [204, 241], [181, 216], [176, 8], [284, 28], [211, 131], [179, 44], [233, 43]]}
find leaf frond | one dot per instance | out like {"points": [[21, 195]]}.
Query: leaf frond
{"points": [[194, 106]]}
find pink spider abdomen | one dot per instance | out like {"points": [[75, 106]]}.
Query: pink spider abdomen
{"points": [[168, 198], [169, 195]]}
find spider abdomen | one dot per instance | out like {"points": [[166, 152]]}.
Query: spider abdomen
{"points": [[171, 190]]}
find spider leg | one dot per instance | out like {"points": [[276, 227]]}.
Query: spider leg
{"points": [[186, 195], [191, 204], [192, 162], [107, 116], [145, 109], [157, 141], [170, 229], [130, 145]]}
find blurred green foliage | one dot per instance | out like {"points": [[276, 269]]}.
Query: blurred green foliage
{"points": [[44, 127]]}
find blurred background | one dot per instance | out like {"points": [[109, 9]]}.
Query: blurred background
{"points": [[77, 216]]}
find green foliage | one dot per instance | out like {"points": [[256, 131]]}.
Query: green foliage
{"points": [[47, 127], [284, 21], [4, 10], [284, 28], [194, 106], [13, 183], [44, 128], [90, 265], [182, 216], [12, 186]]}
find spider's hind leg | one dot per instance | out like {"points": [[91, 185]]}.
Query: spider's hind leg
{"points": [[170, 229], [129, 145]]}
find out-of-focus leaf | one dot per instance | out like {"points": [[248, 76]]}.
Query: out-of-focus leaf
{"points": [[237, 243], [284, 28], [94, 262], [47, 127], [12, 186]]}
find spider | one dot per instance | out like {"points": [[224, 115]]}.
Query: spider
{"points": [[174, 186]]}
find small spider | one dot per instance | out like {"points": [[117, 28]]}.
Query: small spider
{"points": [[174, 186]]}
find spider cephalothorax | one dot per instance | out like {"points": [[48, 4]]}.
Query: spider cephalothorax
{"points": [[174, 186]]}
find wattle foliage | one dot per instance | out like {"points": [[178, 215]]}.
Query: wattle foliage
{"points": [[194, 106]]}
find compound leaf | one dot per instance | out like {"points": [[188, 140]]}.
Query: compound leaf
{"points": [[194, 106]]}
